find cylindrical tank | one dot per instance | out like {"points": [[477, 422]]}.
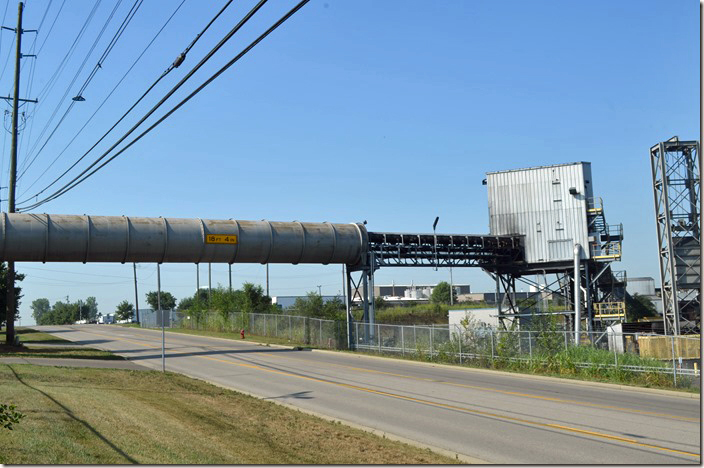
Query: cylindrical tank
{"points": [[72, 238]]}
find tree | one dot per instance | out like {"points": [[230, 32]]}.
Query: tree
{"points": [[40, 309], [3, 293], [168, 301], [124, 310], [200, 297], [313, 306], [441, 293], [62, 313], [91, 308], [638, 306], [253, 299]]}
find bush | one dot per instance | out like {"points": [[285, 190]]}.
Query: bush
{"points": [[9, 416]]}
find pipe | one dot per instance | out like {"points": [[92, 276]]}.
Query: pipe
{"points": [[72, 238], [577, 293]]}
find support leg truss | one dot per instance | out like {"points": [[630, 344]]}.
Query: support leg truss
{"points": [[676, 188]]}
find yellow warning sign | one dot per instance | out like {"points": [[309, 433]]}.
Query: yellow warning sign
{"points": [[220, 239]]}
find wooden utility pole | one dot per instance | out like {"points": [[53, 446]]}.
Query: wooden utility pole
{"points": [[10, 299]]}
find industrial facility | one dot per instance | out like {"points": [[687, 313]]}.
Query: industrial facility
{"points": [[547, 229]]}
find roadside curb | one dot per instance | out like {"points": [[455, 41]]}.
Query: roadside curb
{"points": [[527, 376]]}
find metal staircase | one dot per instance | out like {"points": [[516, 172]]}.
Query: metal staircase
{"points": [[605, 240]]}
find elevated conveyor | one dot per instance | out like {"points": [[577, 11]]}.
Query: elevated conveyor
{"points": [[444, 250]]}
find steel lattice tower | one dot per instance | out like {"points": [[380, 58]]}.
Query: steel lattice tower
{"points": [[676, 187]]}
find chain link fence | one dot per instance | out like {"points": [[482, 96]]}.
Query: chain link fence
{"points": [[610, 351], [295, 329], [634, 352]]}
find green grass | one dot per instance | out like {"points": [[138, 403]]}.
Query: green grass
{"points": [[114, 416], [36, 339], [236, 336], [29, 335]]}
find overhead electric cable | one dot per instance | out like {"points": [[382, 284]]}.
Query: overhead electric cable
{"points": [[66, 93], [50, 83], [158, 33], [81, 177], [175, 64], [33, 70], [110, 46], [51, 28]]}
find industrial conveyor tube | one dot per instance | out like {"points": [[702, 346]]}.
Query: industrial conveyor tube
{"points": [[70, 238]]}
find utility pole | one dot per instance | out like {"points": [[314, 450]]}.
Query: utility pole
{"points": [[267, 279], [10, 298], [136, 296]]}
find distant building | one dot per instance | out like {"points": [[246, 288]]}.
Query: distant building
{"points": [[490, 298], [488, 317], [414, 291], [644, 286], [286, 302]]}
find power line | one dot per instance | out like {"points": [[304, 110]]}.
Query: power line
{"points": [[32, 68], [49, 84], [68, 89], [51, 28], [76, 180], [104, 101], [52, 81], [111, 45], [175, 64]]}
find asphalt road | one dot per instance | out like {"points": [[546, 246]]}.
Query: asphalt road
{"points": [[486, 415]]}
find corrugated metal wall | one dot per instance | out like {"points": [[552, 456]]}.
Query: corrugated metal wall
{"points": [[536, 203]]}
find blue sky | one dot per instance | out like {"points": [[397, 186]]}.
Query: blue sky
{"points": [[390, 112]]}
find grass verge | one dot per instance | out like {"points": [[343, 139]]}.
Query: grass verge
{"points": [[111, 416], [236, 336], [28, 335]]}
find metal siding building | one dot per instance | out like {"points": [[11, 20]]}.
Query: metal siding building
{"points": [[644, 286], [546, 204]]}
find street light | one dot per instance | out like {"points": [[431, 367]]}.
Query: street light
{"points": [[435, 242], [435, 251]]}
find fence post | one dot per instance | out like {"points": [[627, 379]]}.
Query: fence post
{"points": [[320, 343], [431, 344], [415, 341], [276, 326], [530, 345], [403, 345], [492, 345], [378, 336], [460, 340], [565, 333], [674, 366], [290, 330]]}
